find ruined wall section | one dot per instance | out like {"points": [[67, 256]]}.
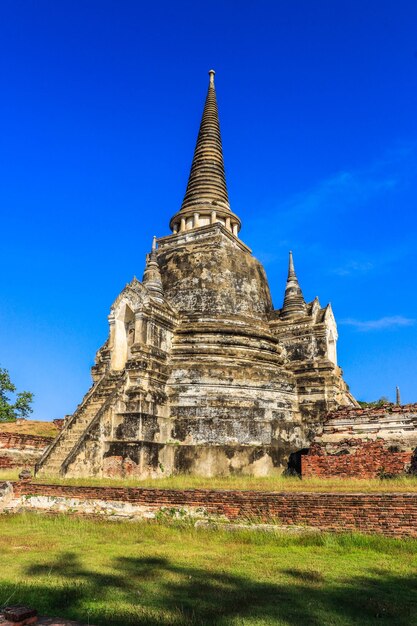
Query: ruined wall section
{"points": [[365, 443], [357, 459], [392, 514], [395, 425], [21, 450]]}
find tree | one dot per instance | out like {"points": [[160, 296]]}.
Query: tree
{"points": [[383, 401], [9, 412]]}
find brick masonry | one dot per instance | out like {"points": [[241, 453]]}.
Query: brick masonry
{"points": [[21, 441], [7, 463], [21, 450], [364, 443], [391, 514], [370, 412], [365, 459]]}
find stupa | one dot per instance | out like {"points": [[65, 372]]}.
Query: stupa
{"points": [[200, 373]]}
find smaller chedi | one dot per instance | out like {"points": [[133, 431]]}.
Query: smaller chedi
{"points": [[200, 373]]}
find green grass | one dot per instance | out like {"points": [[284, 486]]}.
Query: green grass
{"points": [[270, 483], [113, 574]]}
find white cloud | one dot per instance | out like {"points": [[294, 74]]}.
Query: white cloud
{"points": [[352, 189], [339, 193], [396, 321], [354, 267]]}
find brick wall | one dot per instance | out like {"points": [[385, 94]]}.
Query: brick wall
{"points": [[18, 450], [365, 459], [6, 463], [344, 412], [20, 441], [392, 514]]}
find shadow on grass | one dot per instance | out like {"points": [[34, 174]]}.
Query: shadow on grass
{"points": [[157, 591]]}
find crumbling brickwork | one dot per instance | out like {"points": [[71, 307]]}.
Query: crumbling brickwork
{"points": [[391, 514], [365, 459], [11, 441], [21, 450], [365, 443]]}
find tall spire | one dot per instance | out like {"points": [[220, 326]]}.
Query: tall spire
{"points": [[206, 199], [294, 303], [207, 181]]}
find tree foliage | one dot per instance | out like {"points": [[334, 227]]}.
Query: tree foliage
{"points": [[9, 410], [383, 401]]}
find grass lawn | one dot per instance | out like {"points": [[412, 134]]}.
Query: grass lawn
{"points": [[119, 573], [268, 483]]}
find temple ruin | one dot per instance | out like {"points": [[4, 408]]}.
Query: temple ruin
{"points": [[200, 373]]}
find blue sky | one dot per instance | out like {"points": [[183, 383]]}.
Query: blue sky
{"points": [[100, 108]]}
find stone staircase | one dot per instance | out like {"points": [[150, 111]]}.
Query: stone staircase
{"points": [[94, 403]]}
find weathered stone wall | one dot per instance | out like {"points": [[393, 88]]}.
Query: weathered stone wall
{"points": [[208, 272], [391, 514], [7, 462]]}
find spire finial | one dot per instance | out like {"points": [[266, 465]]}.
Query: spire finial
{"points": [[206, 200], [397, 396], [294, 303], [154, 243], [291, 270]]}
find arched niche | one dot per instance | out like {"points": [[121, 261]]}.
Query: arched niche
{"points": [[124, 336], [331, 348]]}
